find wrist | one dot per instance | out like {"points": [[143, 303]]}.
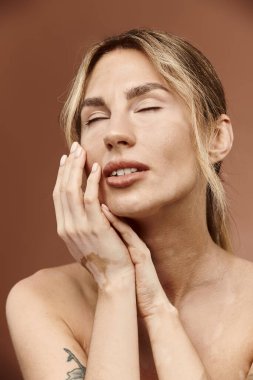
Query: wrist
{"points": [[163, 310], [117, 283]]}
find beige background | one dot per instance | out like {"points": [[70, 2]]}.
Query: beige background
{"points": [[41, 45]]}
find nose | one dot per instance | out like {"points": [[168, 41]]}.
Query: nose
{"points": [[119, 134]]}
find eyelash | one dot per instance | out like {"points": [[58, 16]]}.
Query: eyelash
{"points": [[102, 118]]}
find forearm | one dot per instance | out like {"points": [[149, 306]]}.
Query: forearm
{"points": [[114, 352], [174, 355]]}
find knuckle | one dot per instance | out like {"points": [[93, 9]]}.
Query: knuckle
{"points": [[70, 231], [88, 199], [93, 232], [81, 231], [62, 188], [142, 256], [70, 190], [97, 230], [126, 234], [146, 255], [55, 193], [101, 229], [61, 232]]}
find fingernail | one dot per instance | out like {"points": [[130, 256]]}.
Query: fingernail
{"points": [[105, 207], [63, 159], [94, 167], [73, 146], [78, 151]]}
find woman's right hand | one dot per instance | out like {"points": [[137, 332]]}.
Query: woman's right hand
{"points": [[87, 233]]}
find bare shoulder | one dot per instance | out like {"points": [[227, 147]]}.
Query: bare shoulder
{"points": [[50, 317], [66, 292], [51, 284], [243, 269], [242, 280]]}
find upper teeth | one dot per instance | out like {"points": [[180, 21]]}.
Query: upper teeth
{"points": [[124, 171]]}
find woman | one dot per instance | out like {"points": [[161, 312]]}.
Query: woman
{"points": [[140, 205]]}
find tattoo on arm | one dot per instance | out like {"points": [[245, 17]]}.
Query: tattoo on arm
{"points": [[77, 373]]}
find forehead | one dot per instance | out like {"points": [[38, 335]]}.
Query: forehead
{"points": [[122, 67]]}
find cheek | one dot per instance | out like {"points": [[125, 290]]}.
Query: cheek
{"points": [[175, 147], [92, 146], [178, 163]]}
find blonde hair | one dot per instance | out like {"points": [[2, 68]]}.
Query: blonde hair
{"points": [[189, 74]]}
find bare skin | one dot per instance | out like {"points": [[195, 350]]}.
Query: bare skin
{"points": [[154, 239], [217, 318]]}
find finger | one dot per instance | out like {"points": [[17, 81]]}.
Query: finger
{"points": [[74, 192], [128, 234], [57, 198], [91, 202], [66, 187], [137, 248], [66, 233], [66, 226]]}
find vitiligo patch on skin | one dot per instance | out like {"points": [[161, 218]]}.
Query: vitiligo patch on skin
{"points": [[96, 267], [84, 262], [102, 271]]}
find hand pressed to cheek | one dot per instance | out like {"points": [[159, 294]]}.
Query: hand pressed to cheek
{"points": [[82, 225]]}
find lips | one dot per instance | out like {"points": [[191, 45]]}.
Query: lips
{"points": [[126, 179], [112, 166]]}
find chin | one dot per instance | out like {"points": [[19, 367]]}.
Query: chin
{"points": [[133, 211]]}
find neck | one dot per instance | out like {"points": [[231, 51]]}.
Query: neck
{"points": [[182, 250]]}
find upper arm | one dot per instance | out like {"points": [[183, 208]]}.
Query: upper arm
{"points": [[44, 344]]}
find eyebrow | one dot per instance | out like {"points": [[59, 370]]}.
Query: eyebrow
{"points": [[132, 93]]}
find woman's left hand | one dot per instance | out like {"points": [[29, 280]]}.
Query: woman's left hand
{"points": [[149, 291]]}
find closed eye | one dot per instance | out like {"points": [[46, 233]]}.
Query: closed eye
{"points": [[95, 119], [104, 118], [149, 109]]}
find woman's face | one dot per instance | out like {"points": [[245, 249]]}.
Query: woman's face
{"points": [[134, 123]]}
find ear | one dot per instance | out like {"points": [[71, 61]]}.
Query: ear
{"points": [[222, 140]]}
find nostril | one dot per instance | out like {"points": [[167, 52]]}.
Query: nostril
{"points": [[118, 140], [110, 145]]}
